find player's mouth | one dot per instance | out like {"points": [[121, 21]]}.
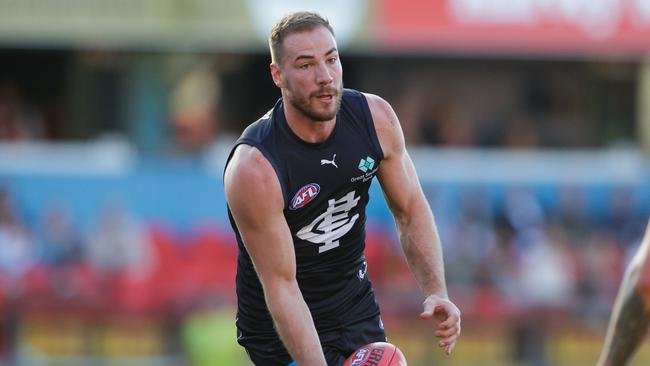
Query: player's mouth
{"points": [[325, 97]]}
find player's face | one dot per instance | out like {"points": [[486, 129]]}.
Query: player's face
{"points": [[311, 74]]}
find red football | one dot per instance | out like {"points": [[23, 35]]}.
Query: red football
{"points": [[376, 354]]}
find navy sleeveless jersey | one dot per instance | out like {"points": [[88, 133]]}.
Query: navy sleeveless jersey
{"points": [[325, 187]]}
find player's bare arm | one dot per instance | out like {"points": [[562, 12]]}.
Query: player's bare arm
{"points": [[631, 314], [255, 199], [415, 223]]}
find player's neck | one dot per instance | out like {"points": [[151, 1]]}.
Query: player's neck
{"points": [[307, 129]]}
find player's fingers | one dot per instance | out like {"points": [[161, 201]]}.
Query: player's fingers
{"points": [[449, 341], [447, 332], [449, 335], [447, 313], [447, 345], [450, 329], [452, 319], [450, 348], [452, 337]]}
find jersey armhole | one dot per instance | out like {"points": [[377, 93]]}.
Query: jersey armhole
{"points": [[267, 155], [370, 124]]}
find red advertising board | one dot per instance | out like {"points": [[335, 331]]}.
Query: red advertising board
{"points": [[571, 27]]}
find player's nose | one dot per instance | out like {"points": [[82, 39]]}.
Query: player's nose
{"points": [[324, 74]]}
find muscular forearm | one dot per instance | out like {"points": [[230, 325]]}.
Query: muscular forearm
{"points": [[294, 324], [421, 243], [627, 327]]}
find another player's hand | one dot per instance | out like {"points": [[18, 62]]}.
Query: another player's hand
{"points": [[447, 317]]}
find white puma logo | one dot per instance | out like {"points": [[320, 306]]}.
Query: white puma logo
{"points": [[325, 161]]}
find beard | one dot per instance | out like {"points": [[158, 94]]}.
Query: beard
{"points": [[304, 105]]}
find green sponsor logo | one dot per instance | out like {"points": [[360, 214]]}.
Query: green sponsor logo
{"points": [[366, 164]]}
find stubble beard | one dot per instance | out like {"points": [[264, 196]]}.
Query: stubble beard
{"points": [[303, 105]]}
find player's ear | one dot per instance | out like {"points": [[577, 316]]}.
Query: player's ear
{"points": [[276, 74]]}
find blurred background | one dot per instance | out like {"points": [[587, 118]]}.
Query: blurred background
{"points": [[528, 122]]}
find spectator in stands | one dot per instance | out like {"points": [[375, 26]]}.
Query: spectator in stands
{"points": [[601, 262], [59, 250], [16, 246], [544, 281], [623, 217], [118, 244], [60, 243], [194, 108], [473, 236]]}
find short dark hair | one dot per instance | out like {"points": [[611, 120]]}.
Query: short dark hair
{"points": [[292, 23]]}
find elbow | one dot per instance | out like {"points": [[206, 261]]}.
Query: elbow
{"points": [[405, 210], [401, 220], [411, 212]]}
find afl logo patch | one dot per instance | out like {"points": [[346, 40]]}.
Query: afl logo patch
{"points": [[360, 357], [304, 195]]}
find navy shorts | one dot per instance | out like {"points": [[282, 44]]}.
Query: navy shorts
{"points": [[337, 344]]}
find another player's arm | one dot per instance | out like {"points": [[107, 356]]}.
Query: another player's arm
{"points": [[415, 223], [255, 199], [631, 314]]}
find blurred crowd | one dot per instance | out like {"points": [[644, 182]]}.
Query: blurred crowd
{"points": [[514, 258], [116, 267], [522, 262], [51, 255], [564, 257]]}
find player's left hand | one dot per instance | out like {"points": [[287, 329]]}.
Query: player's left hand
{"points": [[447, 316]]}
